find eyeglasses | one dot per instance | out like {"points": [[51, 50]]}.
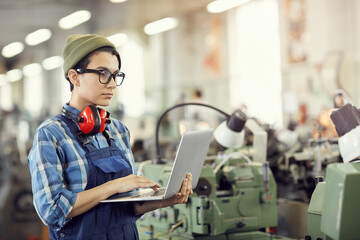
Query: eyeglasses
{"points": [[105, 75]]}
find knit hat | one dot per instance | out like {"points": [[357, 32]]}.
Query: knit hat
{"points": [[77, 46]]}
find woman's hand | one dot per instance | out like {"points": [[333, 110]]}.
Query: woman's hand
{"points": [[131, 182], [183, 195], [89, 198]]}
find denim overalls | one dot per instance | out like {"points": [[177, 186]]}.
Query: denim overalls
{"points": [[105, 220]]}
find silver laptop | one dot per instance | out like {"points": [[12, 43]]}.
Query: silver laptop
{"points": [[189, 158]]}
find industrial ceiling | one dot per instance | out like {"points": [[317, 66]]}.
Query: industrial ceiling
{"points": [[21, 17]]}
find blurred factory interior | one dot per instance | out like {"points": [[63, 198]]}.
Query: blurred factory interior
{"points": [[287, 64]]}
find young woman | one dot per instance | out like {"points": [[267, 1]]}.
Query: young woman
{"points": [[73, 170]]}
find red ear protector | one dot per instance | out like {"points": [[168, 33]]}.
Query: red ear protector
{"points": [[91, 120]]}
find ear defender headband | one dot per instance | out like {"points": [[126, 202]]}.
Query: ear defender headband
{"points": [[92, 120]]}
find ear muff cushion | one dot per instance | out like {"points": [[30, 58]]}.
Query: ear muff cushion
{"points": [[97, 120]]}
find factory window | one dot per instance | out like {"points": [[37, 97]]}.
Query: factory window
{"points": [[33, 94], [65, 92], [6, 98], [132, 93], [255, 60]]}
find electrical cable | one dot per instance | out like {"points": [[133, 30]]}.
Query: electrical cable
{"points": [[141, 166], [168, 110], [173, 227]]}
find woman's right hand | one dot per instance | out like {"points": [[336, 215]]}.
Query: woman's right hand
{"points": [[131, 182], [87, 199]]}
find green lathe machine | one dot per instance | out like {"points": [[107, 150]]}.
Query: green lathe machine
{"points": [[235, 198], [232, 204], [334, 212]]}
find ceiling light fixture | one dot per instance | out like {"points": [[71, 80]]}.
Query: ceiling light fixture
{"points": [[32, 69], [224, 5], [117, 1], [38, 36], [161, 25], [74, 19], [52, 62], [14, 75], [118, 39], [12, 49]]}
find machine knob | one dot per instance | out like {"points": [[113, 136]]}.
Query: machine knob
{"points": [[240, 225], [203, 188]]}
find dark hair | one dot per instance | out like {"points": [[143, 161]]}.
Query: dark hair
{"points": [[85, 61]]}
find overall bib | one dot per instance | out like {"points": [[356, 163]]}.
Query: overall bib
{"points": [[105, 221]]}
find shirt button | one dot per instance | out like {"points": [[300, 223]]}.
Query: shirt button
{"points": [[62, 235]]}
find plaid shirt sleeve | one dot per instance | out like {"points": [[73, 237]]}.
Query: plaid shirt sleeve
{"points": [[52, 201]]}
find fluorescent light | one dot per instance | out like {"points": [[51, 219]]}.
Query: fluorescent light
{"points": [[2, 80], [38, 36], [118, 39], [32, 69], [12, 49], [52, 62], [161, 25], [117, 1], [14, 75], [74, 19], [224, 5]]}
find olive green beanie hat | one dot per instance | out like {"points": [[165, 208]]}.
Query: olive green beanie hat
{"points": [[77, 46]]}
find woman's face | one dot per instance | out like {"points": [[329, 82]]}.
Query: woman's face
{"points": [[90, 91]]}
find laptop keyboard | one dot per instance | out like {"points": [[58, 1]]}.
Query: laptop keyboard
{"points": [[151, 194]]}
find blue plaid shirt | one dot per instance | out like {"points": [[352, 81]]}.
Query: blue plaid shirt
{"points": [[59, 168]]}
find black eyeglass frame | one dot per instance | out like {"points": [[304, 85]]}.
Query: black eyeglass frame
{"points": [[112, 75]]}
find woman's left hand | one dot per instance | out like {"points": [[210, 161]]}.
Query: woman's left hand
{"points": [[183, 195]]}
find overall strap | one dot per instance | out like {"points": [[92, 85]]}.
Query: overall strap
{"points": [[109, 138], [75, 130]]}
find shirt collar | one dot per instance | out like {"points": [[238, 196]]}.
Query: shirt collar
{"points": [[72, 109]]}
